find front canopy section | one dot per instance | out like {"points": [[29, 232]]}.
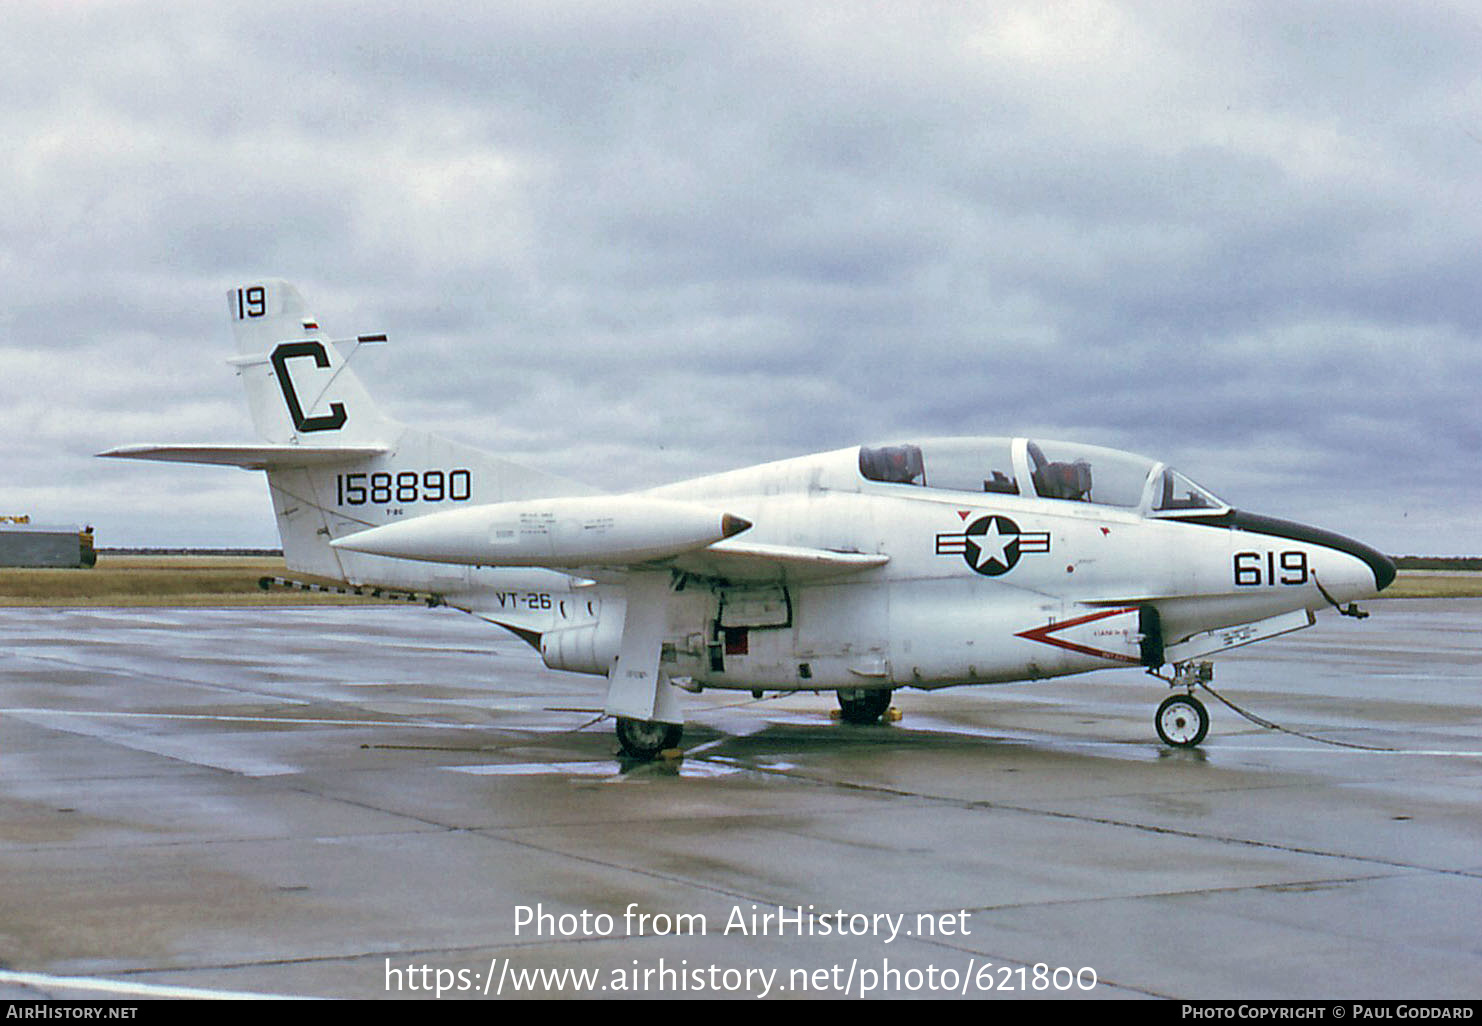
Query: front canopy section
{"points": [[1065, 471], [1177, 494]]}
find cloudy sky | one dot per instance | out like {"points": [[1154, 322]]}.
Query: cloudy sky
{"points": [[639, 241]]}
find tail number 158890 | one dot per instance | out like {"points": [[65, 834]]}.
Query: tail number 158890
{"points": [[384, 488]]}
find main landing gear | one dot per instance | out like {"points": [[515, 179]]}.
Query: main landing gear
{"points": [[643, 740], [1182, 721], [863, 705]]}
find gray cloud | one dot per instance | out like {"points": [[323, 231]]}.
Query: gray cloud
{"points": [[708, 235]]}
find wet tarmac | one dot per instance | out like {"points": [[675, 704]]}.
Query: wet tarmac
{"points": [[374, 802]]}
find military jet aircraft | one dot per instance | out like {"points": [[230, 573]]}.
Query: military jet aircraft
{"points": [[922, 564]]}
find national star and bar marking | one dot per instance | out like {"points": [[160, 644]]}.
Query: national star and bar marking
{"points": [[992, 544]]}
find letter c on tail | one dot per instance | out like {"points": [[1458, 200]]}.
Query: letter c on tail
{"points": [[287, 351]]}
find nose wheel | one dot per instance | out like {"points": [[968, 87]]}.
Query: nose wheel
{"points": [[1182, 721]]}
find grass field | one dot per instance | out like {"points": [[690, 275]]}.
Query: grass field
{"points": [[1435, 584], [232, 581], [163, 581]]}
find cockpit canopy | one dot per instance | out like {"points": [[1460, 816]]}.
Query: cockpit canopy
{"points": [[1048, 470]]}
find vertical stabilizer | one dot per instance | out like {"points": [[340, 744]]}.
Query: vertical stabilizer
{"points": [[299, 386], [336, 465], [302, 392]]}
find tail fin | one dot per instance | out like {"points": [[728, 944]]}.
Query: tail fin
{"points": [[299, 386], [302, 392], [335, 463]]}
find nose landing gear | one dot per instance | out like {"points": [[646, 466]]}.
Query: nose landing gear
{"points": [[1181, 720]]}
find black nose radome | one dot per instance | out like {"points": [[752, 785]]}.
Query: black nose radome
{"points": [[1382, 565]]}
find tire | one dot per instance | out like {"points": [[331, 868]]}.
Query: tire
{"points": [[862, 706], [645, 739], [1182, 721]]}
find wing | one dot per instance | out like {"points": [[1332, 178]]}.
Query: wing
{"points": [[740, 562]]}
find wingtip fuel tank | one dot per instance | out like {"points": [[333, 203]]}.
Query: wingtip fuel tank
{"points": [[571, 532]]}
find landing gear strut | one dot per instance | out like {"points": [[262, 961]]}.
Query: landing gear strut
{"points": [[1182, 721], [863, 705], [645, 739]]}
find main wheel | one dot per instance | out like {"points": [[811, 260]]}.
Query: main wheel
{"points": [[863, 706], [1182, 721], [645, 739]]}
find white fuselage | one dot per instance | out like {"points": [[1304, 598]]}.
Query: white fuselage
{"points": [[925, 564], [931, 616]]}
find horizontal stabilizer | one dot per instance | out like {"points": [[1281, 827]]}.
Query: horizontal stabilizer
{"points": [[250, 457]]}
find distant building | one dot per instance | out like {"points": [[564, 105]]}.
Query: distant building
{"points": [[24, 544]]}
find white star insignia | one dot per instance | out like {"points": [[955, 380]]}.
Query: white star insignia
{"points": [[992, 546]]}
